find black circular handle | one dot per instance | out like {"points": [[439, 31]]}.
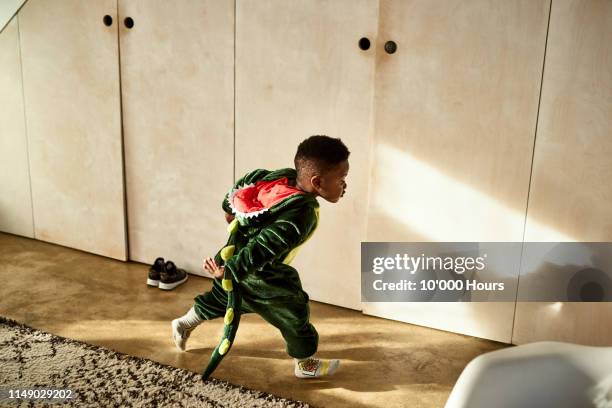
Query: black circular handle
{"points": [[108, 20], [390, 47], [364, 43], [129, 23]]}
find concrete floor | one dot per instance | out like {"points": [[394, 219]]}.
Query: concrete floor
{"points": [[106, 302]]}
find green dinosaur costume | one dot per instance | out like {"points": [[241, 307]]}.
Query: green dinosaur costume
{"points": [[272, 219]]}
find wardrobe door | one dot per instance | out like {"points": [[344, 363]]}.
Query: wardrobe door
{"points": [[571, 187], [300, 72], [177, 73], [73, 122], [15, 200], [455, 113]]}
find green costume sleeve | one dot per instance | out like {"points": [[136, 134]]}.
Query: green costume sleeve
{"points": [[289, 230], [248, 178]]}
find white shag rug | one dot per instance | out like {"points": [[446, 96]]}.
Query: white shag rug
{"points": [[98, 377]]}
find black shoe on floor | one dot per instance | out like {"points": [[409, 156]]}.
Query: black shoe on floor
{"points": [[154, 272], [171, 276]]}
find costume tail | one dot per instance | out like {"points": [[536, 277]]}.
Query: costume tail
{"points": [[231, 320], [232, 311]]}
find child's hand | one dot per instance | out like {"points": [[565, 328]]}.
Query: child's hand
{"points": [[211, 267]]}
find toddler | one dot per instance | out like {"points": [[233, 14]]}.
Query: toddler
{"points": [[272, 213]]}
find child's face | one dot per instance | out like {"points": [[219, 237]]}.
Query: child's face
{"points": [[332, 184]]}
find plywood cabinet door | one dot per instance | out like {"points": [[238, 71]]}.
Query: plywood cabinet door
{"points": [[455, 113], [71, 91], [571, 188], [300, 72], [177, 74], [15, 199]]}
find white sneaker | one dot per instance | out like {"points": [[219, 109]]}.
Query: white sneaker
{"points": [[180, 334], [315, 368]]}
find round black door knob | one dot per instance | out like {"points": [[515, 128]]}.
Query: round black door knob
{"points": [[108, 20], [364, 43], [390, 47], [129, 23]]}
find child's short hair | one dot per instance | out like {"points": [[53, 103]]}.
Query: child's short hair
{"points": [[320, 152]]}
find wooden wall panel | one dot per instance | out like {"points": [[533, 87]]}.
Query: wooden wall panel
{"points": [[455, 113], [571, 190], [71, 88], [15, 200], [177, 66], [300, 72]]}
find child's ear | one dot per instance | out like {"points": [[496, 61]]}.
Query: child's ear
{"points": [[316, 181]]}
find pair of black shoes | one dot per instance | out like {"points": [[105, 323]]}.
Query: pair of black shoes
{"points": [[165, 275]]}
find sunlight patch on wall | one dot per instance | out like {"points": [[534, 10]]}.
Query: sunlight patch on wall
{"points": [[441, 208]]}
